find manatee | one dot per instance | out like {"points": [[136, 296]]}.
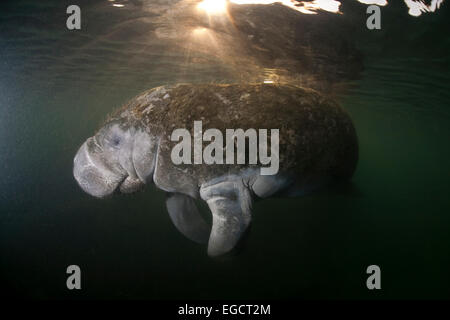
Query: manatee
{"points": [[317, 146]]}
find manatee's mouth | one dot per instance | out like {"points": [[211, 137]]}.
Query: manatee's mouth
{"points": [[98, 179], [130, 185]]}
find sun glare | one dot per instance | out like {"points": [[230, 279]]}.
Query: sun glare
{"points": [[199, 31], [213, 6]]}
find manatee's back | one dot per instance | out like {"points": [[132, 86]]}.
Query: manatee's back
{"points": [[316, 135]]}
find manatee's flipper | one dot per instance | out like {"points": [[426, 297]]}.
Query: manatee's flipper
{"points": [[230, 204], [268, 186], [186, 217]]}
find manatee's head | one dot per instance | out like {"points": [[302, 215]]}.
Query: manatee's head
{"points": [[118, 157]]}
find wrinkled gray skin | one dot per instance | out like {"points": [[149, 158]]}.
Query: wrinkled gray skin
{"points": [[126, 155], [116, 157]]}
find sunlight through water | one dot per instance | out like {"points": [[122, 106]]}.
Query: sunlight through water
{"points": [[213, 6], [416, 7]]}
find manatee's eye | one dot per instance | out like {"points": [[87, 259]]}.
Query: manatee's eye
{"points": [[115, 141], [112, 140], [110, 136]]}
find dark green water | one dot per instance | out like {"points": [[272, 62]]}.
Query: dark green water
{"points": [[395, 214]]}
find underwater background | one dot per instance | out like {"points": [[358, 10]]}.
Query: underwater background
{"points": [[58, 85]]}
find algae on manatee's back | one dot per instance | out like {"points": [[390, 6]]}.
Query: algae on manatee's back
{"points": [[316, 135]]}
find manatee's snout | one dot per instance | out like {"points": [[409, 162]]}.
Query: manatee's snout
{"points": [[117, 157], [93, 175]]}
